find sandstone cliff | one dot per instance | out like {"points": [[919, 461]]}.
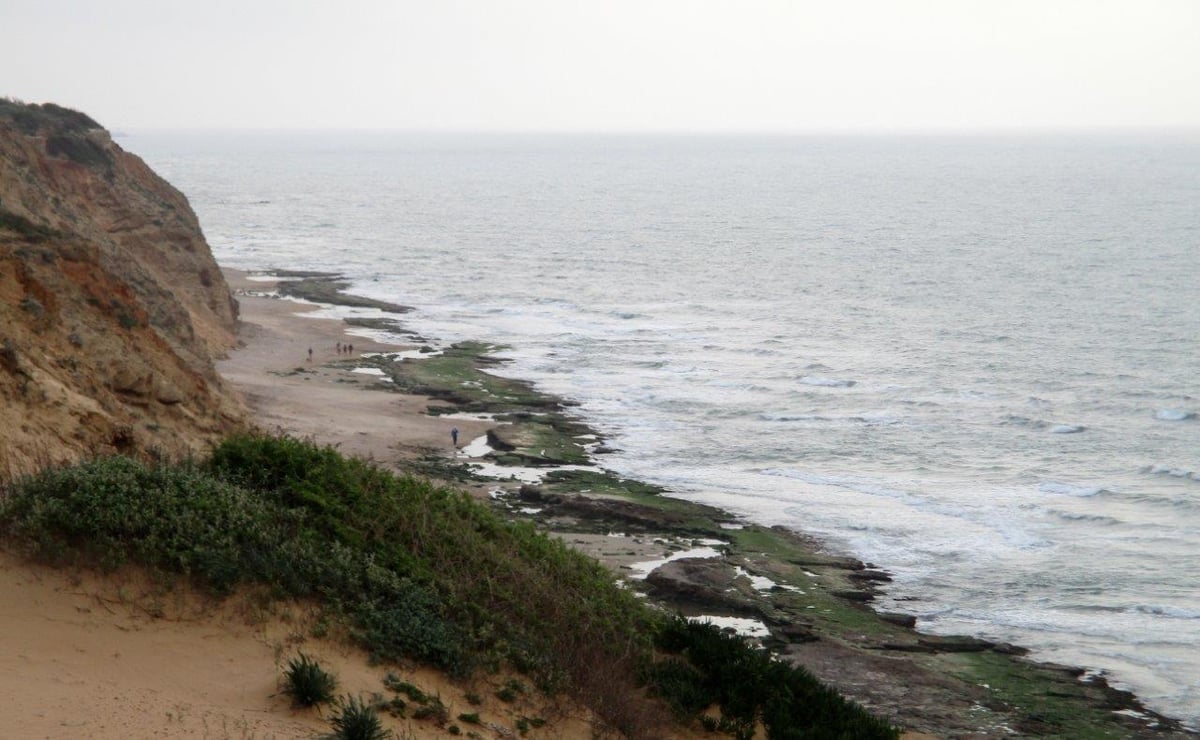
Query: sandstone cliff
{"points": [[111, 305]]}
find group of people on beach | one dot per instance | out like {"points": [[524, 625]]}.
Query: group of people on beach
{"points": [[341, 349]]}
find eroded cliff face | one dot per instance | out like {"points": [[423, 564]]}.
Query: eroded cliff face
{"points": [[112, 308]]}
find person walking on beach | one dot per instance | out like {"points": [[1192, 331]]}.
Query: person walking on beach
{"points": [[454, 437], [310, 354]]}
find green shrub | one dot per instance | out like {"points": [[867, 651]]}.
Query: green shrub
{"points": [[413, 571], [749, 687], [477, 585], [682, 685], [354, 719], [112, 511], [413, 692], [434, 711], [307, 682]]}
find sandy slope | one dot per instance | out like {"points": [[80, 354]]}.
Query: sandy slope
{"points": [[83, 655]]}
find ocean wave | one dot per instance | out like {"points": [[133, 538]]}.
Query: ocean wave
{"points": [[1040, 425], [1173, 415], [837, 481], [1172, 471], [1172, 612], [824, 382], [793, 417], [1067, 489], [1075, 516]]}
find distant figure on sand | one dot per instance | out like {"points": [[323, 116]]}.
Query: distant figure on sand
{"points": [[310, 354], [454, 436], [339, 348]]}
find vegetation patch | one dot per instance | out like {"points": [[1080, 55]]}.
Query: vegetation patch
{"points": [[307, 683], [457, 375], [80, 150], [354, 719], [25, 228], [415, 572], [30, 118], [751, 689]]}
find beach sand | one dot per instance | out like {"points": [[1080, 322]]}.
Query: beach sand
{"points": [[287, 392]]}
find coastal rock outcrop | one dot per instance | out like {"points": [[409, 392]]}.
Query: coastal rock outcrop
{"points": [[112, 308]]}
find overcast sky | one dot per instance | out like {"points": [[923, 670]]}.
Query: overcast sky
{"points": [[609, 65]]}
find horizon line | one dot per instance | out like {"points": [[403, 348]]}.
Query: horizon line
{"points": [[916, 131]]}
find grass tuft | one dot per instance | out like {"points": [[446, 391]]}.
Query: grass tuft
{"points": [[354, 719], [308, 683]]}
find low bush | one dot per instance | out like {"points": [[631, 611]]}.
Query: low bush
{"points": [[354, 719], [414, 571], [712, 668], [307, 682]]}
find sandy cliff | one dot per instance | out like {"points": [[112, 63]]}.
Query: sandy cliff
{"points": [[112, 308]]}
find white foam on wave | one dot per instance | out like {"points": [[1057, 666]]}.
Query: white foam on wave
{"points": [[270, 278], [1171, 612], [1075, 516], [1068, 489], [1067, 429], [1174, 472], [1173, 415], [837, 481]]}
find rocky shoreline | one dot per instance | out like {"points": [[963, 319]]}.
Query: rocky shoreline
{"points": [[536, 461]]}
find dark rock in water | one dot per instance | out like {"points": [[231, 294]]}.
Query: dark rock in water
{"points": [[858, 596], [1005, 648], [871, 575], [907, 647], [903, 620], [1070, 670], [819, 561], [956, 644]]}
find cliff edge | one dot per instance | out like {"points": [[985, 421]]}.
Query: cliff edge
{"points": [[112, 308]]}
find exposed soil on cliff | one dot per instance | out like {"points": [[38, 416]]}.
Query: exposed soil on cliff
{"points": [[111, 306]]}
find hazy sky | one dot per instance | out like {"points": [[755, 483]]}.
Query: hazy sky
{"points": [[626, 65]]}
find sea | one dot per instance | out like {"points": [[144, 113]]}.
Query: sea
{"points": [[971, 360]]}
